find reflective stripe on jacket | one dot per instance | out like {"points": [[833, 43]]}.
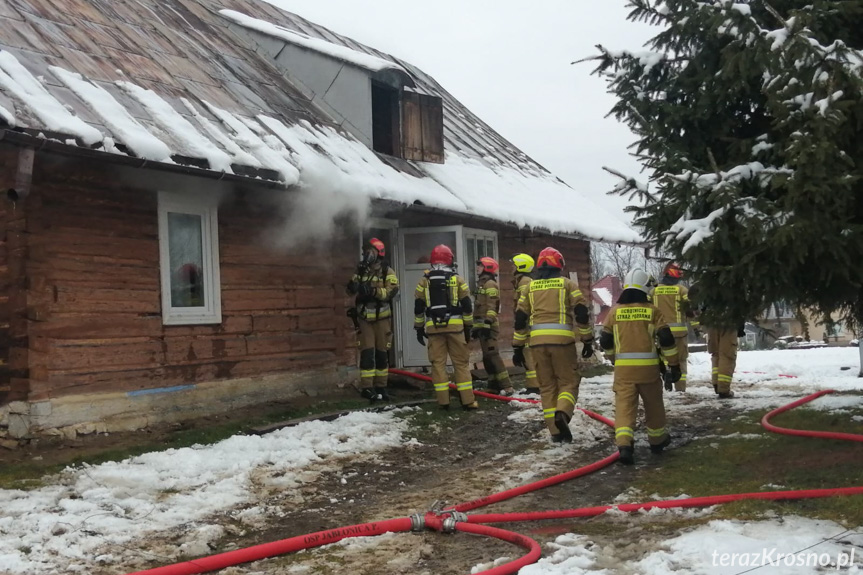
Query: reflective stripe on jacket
{"points": [[487, 303], [457, 290], [385, 286], [634, 353], [673, 302], [549, 304]]}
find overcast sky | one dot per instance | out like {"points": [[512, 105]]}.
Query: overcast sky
{"points": [[509, 62]]}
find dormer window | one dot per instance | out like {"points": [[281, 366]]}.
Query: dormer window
{"points": [[386, 137], [373, 98], [415, 134]]}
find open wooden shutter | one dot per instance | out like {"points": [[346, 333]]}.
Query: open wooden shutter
{"points": [[422, 127], [432, 126], [412, 130]]}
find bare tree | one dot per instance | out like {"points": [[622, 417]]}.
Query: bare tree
{"points": [[618, 259], [599, 267]]}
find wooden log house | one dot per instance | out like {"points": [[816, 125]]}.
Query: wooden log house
{"points": [[155, 156]]}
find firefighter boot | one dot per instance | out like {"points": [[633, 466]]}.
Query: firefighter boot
{"points": [[660, 446], [725, 394], [471, 406], [381, 393], [369, 393], [627, 454], [561, 421]]}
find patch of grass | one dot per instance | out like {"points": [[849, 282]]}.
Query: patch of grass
{"points": [[771, 462]]}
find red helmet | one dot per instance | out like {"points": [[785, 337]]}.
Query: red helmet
{"points": [[441, 255], [673, 270], [488, 265], [378, 245], [550, 258]]}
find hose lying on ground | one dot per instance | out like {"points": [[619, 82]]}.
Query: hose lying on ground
{"points": [[454, 519]]}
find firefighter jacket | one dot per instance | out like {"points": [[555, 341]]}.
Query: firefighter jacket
{"points": [[628, 339], [544, 314], [449, 311], [382, 287], [519, 288], [673, 302], [487, 304]]}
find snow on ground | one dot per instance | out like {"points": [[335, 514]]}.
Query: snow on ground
{"points": [[790, 546], [760, 382], [62, 527], [58, 528]]}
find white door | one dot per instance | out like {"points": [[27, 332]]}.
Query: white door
{"points": [[416, 246]]}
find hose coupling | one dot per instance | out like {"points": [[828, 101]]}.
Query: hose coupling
{"points": [[418, 522], [450, 522]]}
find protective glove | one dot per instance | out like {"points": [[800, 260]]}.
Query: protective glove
{"points": [[365, 289], [587, 350], [466, 334], [421, 335], [675, 373], [352, 287], [697, 332], [666, 380], [480, 330], [518, 356]]}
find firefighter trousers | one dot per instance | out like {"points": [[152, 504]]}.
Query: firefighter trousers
{"points": [[682, 354], [498, 376], [441, 345], [626, 409], [374, 340], [722, 346], [558, 379], [529, 369]]}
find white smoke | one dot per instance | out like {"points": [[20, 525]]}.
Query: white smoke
{"points": [[314, 213]]}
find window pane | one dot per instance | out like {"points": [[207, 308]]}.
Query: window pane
{"points": [[489, 248], [186, 255], [418, 246], [471, 258]]}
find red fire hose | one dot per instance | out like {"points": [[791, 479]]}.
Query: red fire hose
{"points": [[454, 518], [765, 422], [258, 552]]}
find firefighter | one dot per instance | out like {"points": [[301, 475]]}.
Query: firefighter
{"points": [[722, 347], [627, 339], [486, 326], [545, 315], [443, 314], [673, 301], [375, 285], [523, 266]]}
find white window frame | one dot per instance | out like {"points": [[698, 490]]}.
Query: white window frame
{"points": [[477, 234], [207, 209]]}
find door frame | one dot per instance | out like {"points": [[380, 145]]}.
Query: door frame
{"points": [[394, 256], [408, 290]]}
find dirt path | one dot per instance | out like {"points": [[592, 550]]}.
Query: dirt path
{"points": [[466, 457]]}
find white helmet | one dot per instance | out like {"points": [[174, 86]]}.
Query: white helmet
{"points": [[638, 279]]}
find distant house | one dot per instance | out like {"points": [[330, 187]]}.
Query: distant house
{"points": [[189, 183], [604, 294]]}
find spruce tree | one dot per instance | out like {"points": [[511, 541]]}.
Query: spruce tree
{"points": [[749, 121]]}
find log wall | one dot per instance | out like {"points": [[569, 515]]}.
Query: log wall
{"points": [[93, 313]]}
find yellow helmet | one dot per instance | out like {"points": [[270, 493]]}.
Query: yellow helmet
{"points": [[523, 263]]}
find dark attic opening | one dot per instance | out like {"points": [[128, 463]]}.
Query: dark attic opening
{"points": [[385, 120]]}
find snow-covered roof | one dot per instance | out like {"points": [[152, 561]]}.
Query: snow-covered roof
{"points": [[166, 81], [343, 53], [604, 295]]}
